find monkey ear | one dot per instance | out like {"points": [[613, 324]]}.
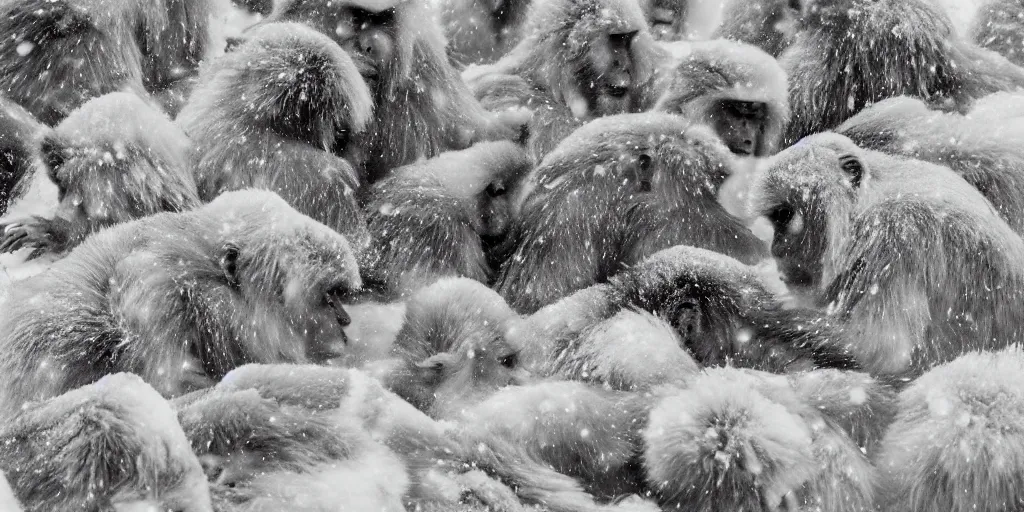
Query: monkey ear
{"points": [[854, 168], [436, 363], [229, 263]]}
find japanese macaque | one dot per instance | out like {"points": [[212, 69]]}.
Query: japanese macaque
{"points": [[986, 156], [767, 24], [115, 159], [612, 194], [451, 352], [180, 299], [578, 60], [112, 445], [442, 217], [719, 312], [851, 53], [275, 113], [57, 54], [955, 444], [738, 90], [742, 440], [19, 138], [914, 261], [482, 31], [422, 107]]}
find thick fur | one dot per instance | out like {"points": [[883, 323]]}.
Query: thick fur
{"points": [[909, 256], [609, 196], [271, 113], [451, 351], [440, 217], [19, 137], [553, 53], [850, 53], [989, 158], [706, 72], [115, 441], [736, 440], [956, 444], [179, 299], [115, 159], [423, 108], [767, 24], [176, 37], [56, 55], [482, 31], [720, 310], [560, 444], [998, 26]]}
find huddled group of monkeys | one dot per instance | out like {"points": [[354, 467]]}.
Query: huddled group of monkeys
{"points": [[509, 255]]}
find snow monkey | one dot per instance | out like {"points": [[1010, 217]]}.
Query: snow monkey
{"points": [[180, 299]]}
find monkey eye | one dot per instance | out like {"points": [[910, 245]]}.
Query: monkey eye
{"points": [[780, 216], [495, 190], [510, 361]]}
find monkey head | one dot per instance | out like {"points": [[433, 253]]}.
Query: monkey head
{"points": [[118, 158], [452, 347], [595, 56], [60, 54], [111, 445], [737, 89], [667, 18], [808, 193], [288, 78], [380, 34], [724, 313], [767, 24]]}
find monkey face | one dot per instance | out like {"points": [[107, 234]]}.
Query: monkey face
{"points": [[369, 36], [740, 124], [608, 76], [665, 19]]}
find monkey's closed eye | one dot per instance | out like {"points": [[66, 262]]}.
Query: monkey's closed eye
{"points": [[495, 190]]}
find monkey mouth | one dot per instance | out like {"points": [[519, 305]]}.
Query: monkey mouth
{"points": [[742, 151]]}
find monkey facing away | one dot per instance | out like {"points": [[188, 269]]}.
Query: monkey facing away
{"points": [[422, 107], [989, 158], [272, 113], [911, 259], [110, 445], [956, 442], [181, 298], [614, 192], [115, 159], [851, 53], [442, 217]]}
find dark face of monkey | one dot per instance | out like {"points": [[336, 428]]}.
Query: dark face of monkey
{"points": [[740, 124], [368, 36], [607, 75]]}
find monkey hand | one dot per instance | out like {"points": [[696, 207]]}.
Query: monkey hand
{"points": [[34, 232]]}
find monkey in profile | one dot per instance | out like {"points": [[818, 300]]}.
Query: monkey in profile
{"points": [[988, 158], [910, 259], [275, 113], [955, 443], [850, 53], [422, 107], [180, 299], [442, 217], [609, 196], [578, 60], [110, 444], [115, 159]]}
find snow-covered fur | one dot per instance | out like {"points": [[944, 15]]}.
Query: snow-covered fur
{"points": [[957, 443]]}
